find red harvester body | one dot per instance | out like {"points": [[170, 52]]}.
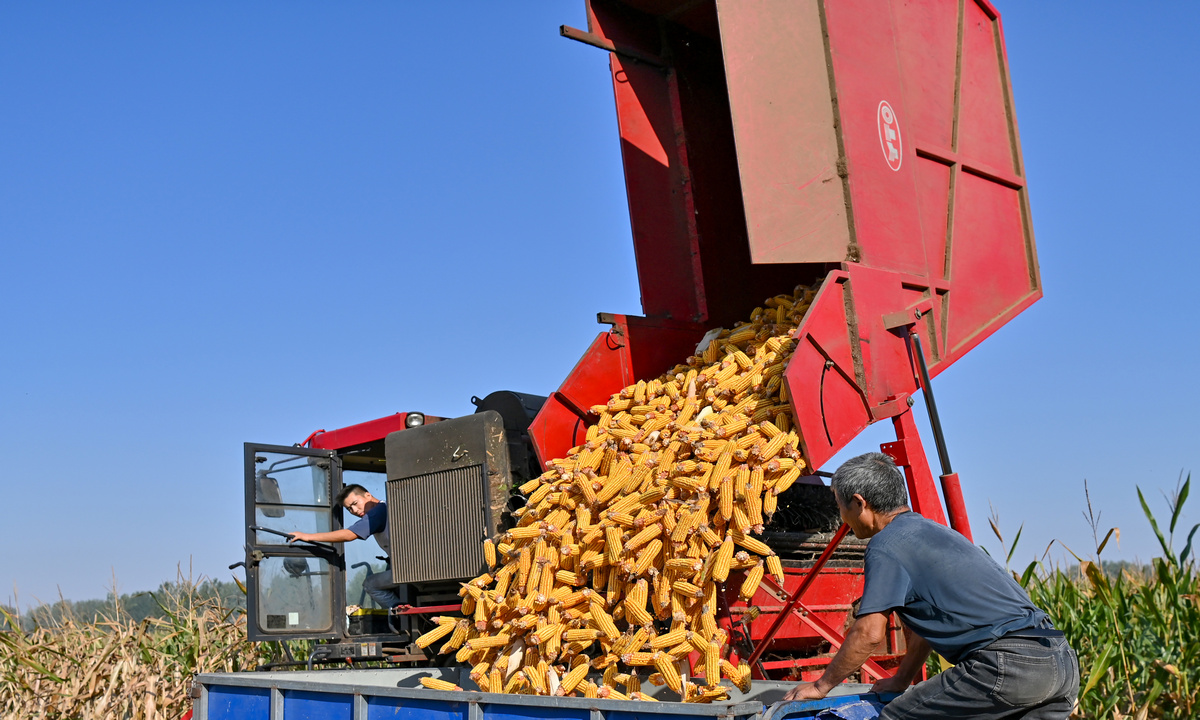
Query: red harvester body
{"points": [[869, 143]]}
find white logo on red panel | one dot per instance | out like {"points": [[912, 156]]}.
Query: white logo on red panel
{"points": [[889, 135]]}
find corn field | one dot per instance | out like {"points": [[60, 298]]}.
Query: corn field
{"points": [[1137, 634], [118, 668]]}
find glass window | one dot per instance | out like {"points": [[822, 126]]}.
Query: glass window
{"points": [[362, 557], [291, 492], [294, 594]]}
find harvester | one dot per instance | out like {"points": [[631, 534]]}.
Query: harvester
{"points": [[865, 147]]}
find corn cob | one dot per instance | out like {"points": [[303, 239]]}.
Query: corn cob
{"points": [[435, 684], [750, 584]]}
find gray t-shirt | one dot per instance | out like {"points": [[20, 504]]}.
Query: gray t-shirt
{"points": [[374, 523], [944, 588]]}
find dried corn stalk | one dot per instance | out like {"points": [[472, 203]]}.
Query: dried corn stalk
{"points": [[639, 525]]}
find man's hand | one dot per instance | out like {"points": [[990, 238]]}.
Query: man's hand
{"points": [[805, 691], [306, 537], [893, 684]]}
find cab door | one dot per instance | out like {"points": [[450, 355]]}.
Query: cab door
{"points": [[294, 590]]}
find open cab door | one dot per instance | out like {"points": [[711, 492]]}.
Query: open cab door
{"points": [[293, 590]]}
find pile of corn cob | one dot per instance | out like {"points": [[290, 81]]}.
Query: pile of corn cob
{"points": [[634, 530]]}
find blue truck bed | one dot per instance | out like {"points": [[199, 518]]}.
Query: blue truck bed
{"points": [[397, 694]]}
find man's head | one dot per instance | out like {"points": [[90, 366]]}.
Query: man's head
{"points": [[357, 499], [869, 489]]}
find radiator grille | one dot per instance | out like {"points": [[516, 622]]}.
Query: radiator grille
{"points": [[437, 522]]}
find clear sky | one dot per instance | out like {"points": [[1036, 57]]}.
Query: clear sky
{"points": [[229, 222]]}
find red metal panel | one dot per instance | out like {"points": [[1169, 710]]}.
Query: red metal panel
{"points": [[783, 121], [635, 349], [661, 211], [984, 129], [987, 277], [927, 52], [557, 427], [361, 433], [933, 195], [883, 196], [823, 376]]}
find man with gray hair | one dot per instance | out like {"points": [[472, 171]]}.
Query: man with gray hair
{"points": [[1009, 661]]}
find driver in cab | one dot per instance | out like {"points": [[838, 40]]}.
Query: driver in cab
{"points": [[372, 514]]}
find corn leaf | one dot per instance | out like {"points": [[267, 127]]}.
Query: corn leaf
{"points": [[1099, 667], [1016, 540], [1180, 500], [1154, 526]]}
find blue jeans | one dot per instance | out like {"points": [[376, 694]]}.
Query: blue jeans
{"points": [[381, 589], [1014, 677]]}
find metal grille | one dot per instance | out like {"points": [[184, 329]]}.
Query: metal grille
{"points": [[437, 522]]}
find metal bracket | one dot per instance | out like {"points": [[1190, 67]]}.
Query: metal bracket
{"points": [[595, 40], [905, 318]]}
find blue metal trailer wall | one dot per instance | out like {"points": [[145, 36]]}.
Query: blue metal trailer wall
{"points": [[397, 695]]}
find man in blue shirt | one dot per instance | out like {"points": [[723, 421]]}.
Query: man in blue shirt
{"points": [[373, 523], [1009, 660]]}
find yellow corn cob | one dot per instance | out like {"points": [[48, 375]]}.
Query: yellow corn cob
{"points": [[729, 670], [686, 589], [727, 498], [515, 682], [775, 567], [611, 676], [670, 673], [724, 557], [754, 545], [633, 685], [684, 565], [712, 664], [488, 642], [741, 520], [770, 502], [572, 679], [672, 638], [436, 684], [604, 622], [611, 693], [612, 545], [750, 584], [743, 679], [647, 556], [536, 678], [489, 552], [648, 533], [638, 659], [582, 635], [708, 622], [545, 633], [600, 579], [439, 632], [525, 559]]}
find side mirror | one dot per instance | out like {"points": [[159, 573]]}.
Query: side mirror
{"points": [[266, 490]]}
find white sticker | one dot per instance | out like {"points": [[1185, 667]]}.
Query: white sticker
{"points": [[293, 618]]}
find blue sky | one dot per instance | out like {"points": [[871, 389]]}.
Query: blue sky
{"points": [[227, 222]]}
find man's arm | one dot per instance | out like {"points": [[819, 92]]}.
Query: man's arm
{"points": [[865, 635], [343, 535], [916, 653]]}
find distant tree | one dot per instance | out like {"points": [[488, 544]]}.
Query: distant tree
{"points": [[136, 606]]}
